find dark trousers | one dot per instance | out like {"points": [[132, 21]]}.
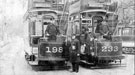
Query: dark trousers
{"points": [[75, 66]]}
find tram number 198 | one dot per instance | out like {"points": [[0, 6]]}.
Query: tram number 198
{"points": [[54, 49], [109, 48]]}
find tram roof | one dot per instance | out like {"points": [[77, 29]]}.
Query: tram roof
{"points": [[42, 9], [49, 10], [98, 10]]}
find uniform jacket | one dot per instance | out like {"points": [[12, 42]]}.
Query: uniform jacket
{"points": [[74, 53], [103, 29]]}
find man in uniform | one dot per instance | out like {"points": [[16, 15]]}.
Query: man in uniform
{"points": [[52, 30], [75, 54], [104, 30]]}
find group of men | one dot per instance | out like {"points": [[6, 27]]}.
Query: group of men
{"points": [[104, 31], [53, 31], [102, 28]]}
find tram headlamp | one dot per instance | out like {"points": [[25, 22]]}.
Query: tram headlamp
{"points": [[35, 50]]}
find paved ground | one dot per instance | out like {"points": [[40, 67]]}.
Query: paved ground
{"points": [[12, 62]]}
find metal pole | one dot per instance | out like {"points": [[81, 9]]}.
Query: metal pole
{"points": [[4, 18]]}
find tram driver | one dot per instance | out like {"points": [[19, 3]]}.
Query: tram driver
{"points": [[52, 30], [103, 29]]}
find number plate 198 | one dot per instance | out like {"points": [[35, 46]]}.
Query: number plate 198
{"points": [[54, 49]]}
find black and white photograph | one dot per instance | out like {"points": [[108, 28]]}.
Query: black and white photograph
{"points": [[67, 37]]}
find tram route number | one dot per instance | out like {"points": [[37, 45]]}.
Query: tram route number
{"points": [[110, 48], [54, 50]]}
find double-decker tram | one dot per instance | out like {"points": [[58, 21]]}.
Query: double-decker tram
{"points": [[40, 48], [84, 23], [127, 33]]}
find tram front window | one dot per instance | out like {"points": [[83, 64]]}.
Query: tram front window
{"points": [[35, 31], [37, 28]]}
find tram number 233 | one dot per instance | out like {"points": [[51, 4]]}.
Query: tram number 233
{"points": [[54, 50], [110, 48]]}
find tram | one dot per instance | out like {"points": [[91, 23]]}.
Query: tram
{"points": [[95, 49], [127, 32], [38, 49]]}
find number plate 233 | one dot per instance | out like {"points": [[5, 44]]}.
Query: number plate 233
{"points": [[110, 48]]}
